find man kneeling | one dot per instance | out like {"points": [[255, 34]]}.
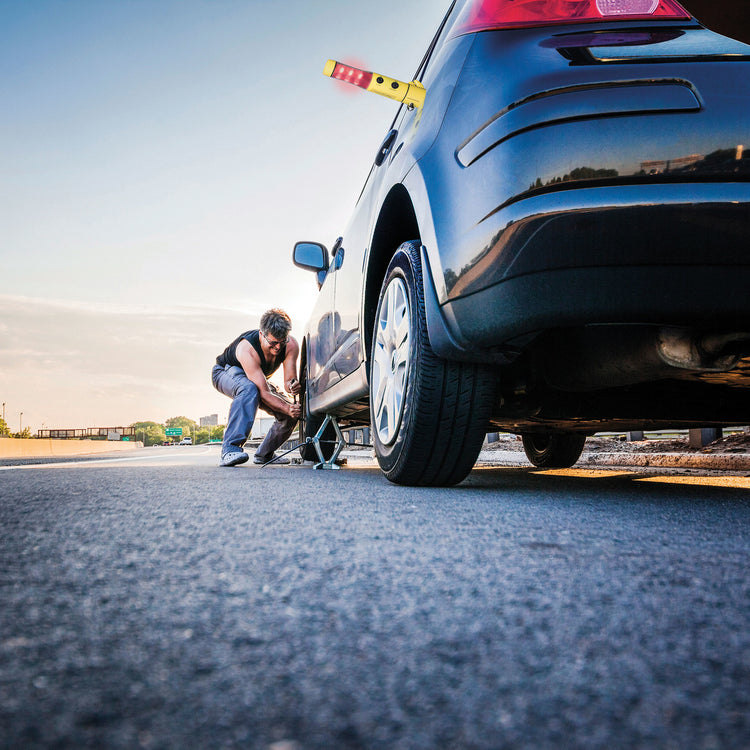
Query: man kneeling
{"points": [[241, 372]]}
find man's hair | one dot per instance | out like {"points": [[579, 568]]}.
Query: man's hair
{"points": [[277, 323]]}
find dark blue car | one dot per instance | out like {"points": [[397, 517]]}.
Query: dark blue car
{"points": [[556, 242]]}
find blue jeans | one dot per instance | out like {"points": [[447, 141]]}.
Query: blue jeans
{"points": [[232, 382]]}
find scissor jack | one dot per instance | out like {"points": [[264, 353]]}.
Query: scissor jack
{"points": [[316, 440]]}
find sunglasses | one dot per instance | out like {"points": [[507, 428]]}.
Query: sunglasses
{"points": [[273, 344]]}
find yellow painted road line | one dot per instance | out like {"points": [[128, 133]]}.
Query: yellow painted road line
{"points": [[725, 481], [732, 482], [586, 473]]}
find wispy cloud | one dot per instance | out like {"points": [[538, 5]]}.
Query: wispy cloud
{"points": [[110, 364]]}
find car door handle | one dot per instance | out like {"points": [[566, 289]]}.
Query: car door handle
{"points": [[385, 147]]}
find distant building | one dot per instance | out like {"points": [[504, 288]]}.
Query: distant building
{"points": [[658, 166], [212, 420], [88, 433], [261, 425]]}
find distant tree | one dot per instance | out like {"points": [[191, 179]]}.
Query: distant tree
{"points": [[206, 434], [152, 433], [4, 431], [24, 434], [144, 425], [188, 425], [155, 435], [588, 173]]}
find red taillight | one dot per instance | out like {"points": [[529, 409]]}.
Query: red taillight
{"points": [[481, 15], [355, 76]]}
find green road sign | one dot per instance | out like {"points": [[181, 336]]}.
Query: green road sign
{"points": [[174, 431]]}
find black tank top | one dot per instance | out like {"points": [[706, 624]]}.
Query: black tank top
{"points": [[229, 355]]}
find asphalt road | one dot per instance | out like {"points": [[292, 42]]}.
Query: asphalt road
{"points": [[162, 602]]}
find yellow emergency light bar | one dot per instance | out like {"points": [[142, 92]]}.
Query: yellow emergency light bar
{"points": [[412, 94]]}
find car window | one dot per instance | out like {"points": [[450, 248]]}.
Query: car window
{"points": [[439, 38], [445, 26]]}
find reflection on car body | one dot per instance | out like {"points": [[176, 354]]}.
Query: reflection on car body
{"points": [[553, 244]]}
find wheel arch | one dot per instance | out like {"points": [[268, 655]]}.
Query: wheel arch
{"points": [[397, 223]]}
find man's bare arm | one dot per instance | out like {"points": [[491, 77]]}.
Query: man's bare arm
{"points": [[291, 381], [248, 358]]}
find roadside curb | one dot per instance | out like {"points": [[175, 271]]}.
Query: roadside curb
{"points": [[721, 462], [45, 447], [739, 462]]}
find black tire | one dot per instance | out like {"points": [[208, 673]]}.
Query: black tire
{"points": [[430, 430], [309, 425], [553, 450]]}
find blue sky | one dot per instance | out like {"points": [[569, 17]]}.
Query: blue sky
{"points": [[159, 160]]}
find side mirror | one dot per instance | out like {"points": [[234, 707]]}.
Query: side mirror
{"points": [[312, 256]]}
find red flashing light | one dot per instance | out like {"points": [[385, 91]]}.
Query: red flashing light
{"points": [[483, 15], [355, 76]]}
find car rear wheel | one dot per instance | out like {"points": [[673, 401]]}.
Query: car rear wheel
{"points": [[429, 415], [553, 450]]}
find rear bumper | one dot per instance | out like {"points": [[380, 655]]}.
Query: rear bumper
{"points": [[670, 254], [701, 296]]}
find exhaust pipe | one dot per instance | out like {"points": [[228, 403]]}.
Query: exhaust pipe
{"points": [[680, 348], [611, 356]]}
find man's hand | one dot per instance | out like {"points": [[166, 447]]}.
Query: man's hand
{"points": [[293, 386]]}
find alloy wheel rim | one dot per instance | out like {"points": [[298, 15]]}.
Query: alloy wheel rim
{"points": [[391, 354]]}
